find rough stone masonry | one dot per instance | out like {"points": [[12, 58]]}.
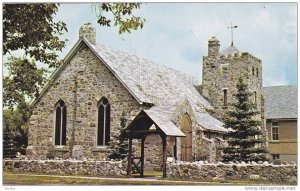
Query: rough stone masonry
{"points": [[201, 171]]}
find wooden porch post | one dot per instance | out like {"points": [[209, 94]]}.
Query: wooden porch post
{"points": [[129, 166], [164, 155], [142, 155]]}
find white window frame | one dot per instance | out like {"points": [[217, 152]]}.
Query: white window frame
{"points": [[272, 126]]}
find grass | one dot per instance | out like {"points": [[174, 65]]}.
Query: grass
{"points": [[35, 179], [29, 179], [150, 174]]}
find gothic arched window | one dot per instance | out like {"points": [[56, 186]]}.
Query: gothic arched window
{"points": [[103, 133], [60, 123]]}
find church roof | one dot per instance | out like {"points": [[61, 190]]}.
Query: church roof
{"points": [[150, 120], [165, 114], [150, 82], [280, 102], [230, 50], [209, 122], [162, 119]]}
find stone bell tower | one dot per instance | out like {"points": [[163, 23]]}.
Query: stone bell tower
{"points": [[221, 70], [89, 32]]}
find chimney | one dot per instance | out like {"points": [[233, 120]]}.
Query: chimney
{"points": [[89, 32], [213, 46]]}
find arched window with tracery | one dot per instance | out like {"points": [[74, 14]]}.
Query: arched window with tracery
{"points": [[103, 131], [60, 123]]}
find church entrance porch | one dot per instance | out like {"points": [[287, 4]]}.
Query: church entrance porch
{"points": [[146, 123]]}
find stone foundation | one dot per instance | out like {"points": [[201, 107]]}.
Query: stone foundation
{"points": [[68, 167], [207, 172]]}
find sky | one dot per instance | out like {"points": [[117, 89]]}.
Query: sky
{"points": [[176, 34]]}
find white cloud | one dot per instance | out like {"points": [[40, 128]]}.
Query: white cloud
{"points": [[176, 34]]}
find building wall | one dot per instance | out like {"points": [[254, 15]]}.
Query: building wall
{"points": [[82, 83], [286, 146]]}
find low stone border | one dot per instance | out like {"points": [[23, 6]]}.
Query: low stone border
{"points": [[70, 167], [242, 171], [200, 171]]}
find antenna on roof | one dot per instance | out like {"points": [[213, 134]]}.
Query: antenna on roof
{"points": [[232, 27]]}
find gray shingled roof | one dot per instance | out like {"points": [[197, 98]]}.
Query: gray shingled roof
{"points": [[157, 117], [230, 50], [164, 114], [151, 82], [162, 120], [280, 102], [209, 122]]}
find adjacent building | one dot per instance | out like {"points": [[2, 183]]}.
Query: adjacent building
{"points": [[281, 121]]}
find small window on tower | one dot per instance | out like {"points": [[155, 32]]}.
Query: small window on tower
{"points": [[224, 69], [253, 70], [225, 97], [255, 98], [256, 72]]}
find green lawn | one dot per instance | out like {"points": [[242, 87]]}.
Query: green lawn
{"points": [[34, 179], [28, 179]]}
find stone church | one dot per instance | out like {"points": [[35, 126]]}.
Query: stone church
{"points": [[80, 108]]}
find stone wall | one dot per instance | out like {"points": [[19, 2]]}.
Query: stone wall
{"points": [[202, 171], [68, 167], [81, 84]]}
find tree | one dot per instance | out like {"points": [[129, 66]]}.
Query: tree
{"points": [[245, 142], [9, 150], [30, 28], [119, 145], [122, 16], [23, 81], [17, 122]]}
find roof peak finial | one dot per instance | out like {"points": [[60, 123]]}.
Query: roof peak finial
{"points": [[232, 27]]}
